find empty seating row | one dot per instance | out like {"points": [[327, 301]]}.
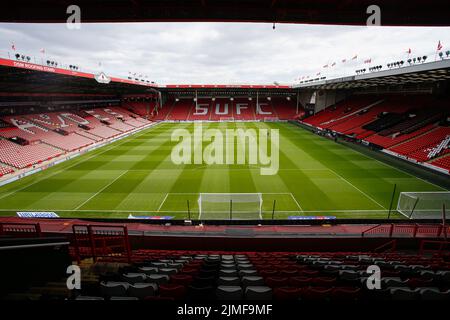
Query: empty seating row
{"points": [[197, 275], [5, 170], [419, 147], [26, 156]]}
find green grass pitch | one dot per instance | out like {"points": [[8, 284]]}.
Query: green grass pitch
{"points": [[317, 177]]}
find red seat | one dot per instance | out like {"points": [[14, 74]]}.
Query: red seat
{"points": [[288, 272], [268, 273], [174, 291], [316, 293], [308, 273], [344, 293], [300, 281], [181, 279], [191, 272], [323, 281], [275, 282], [287, 293], [419, 282]]}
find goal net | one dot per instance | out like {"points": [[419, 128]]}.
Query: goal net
{"points": [[423, 205], [224, 206]]}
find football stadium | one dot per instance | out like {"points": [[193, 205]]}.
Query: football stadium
{"points": [[334, 186]]}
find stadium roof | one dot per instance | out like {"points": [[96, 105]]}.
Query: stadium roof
{"points": [[348, 12], [19, 76], [414, 74]]}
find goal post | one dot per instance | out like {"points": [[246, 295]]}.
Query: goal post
{"points": [[423, 205], [223, 206]]}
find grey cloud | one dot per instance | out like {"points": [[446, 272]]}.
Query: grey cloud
{"points": [[218, 52]]}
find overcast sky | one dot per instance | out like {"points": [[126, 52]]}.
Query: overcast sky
{"points": [[228, 53]]}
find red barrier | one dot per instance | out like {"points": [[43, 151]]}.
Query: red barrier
{"points": [[31, 230], [109, 242]]}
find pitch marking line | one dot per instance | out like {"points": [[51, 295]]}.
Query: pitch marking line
{"points": [[184, 211], [295, 200], [365, 194], [111, 146], [162, 202], [101, 190], [294, 128]]}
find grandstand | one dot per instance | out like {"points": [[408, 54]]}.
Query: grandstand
{"points": [[192, 194]]}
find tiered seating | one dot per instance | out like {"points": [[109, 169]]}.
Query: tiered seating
{"points": [[25, 156], [443, 162], [121, 126], [308, 276], [389, 141], [419, 147], [193, 115], [227, 109], [267, 110], [54, 120], [5, 170], [137, 123], [246, 109], [104, 132], [221, 109], [31, 134], [70, 142], [340, 110], [44, 143], [140, 108], [163, 112], [181, 110], [354, 124], [286, 110], [90, 136]]}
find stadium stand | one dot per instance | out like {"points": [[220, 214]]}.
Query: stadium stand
{"points": [[181, 110], [142, 109], [5, 170], [199, 114], [227, 109], [443, 162], [43, 136], [402, 124], [419, 148], [25, 156], [306, 276]]}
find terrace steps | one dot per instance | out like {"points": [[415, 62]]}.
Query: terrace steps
{"points": [[415, 137]]}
